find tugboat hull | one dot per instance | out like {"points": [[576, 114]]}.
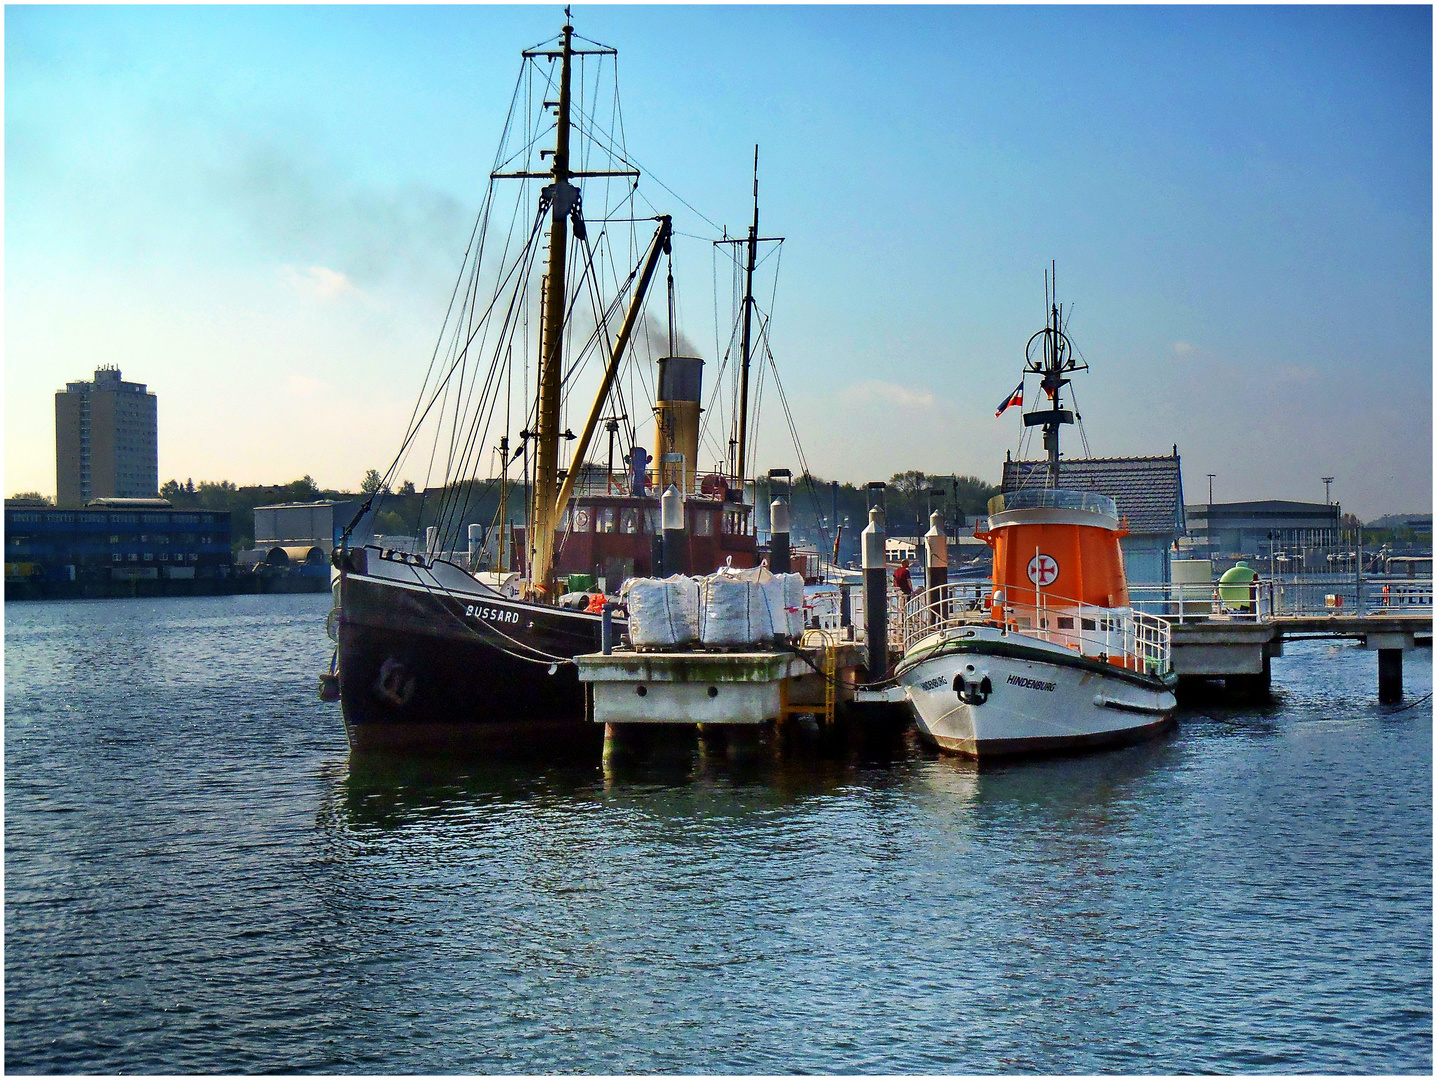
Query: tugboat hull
{"points": [[428, 663], [984, 694]]}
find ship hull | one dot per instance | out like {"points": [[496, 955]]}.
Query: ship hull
{"points": [[1038, 698], [431, 660]]}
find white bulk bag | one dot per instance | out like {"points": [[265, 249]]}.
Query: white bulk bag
{"points": [[793, 603], [783, 593], [661, 612], [733, 611]]}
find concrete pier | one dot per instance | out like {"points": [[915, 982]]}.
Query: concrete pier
{"points": [[1240, 652]]}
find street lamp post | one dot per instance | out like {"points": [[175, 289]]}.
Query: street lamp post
{"points": [[1210, 477]]}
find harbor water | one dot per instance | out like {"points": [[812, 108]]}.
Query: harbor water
{"points": [[199, 878]]}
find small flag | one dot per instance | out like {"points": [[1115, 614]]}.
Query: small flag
{"points": [[1015, 398]]}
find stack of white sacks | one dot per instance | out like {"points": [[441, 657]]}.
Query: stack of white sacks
{"points": [[727, 608]]}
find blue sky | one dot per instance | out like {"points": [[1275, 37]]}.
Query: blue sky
{"points": [[259, 212]]}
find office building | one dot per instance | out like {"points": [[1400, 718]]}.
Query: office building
{"points": [[105, 440], [113, 540]]}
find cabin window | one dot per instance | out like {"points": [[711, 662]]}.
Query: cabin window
{"points": [[604, 519], [651, 522], [1064, 623], [628, 520], [581, 520], [1024, 622], [703, 523], [564, 520], [1089, 624]]}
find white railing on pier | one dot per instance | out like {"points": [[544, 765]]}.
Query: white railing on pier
{"points": [[1123, 636], [1296, 596]]}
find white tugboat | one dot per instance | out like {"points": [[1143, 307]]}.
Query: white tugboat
{"points": [[1058, 660]]}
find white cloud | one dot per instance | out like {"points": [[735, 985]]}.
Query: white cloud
{"points": [[891, 393], [319, 282], [1184, 348]]}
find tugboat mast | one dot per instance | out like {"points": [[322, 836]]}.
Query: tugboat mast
{"points": [[1054, 362]]}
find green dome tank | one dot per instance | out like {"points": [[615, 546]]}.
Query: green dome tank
{"points": [[1234, 588]]}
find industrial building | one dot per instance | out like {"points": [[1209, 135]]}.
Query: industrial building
{"points": [[297, 539], [313, 524], [1258, 529], [114, 540], [1149, 494], [105, 440]]}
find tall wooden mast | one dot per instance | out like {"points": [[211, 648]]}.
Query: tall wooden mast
{"points": [[747, 327], [562, 196], [750, 243]]}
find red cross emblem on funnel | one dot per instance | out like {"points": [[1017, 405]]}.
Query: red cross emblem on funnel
{"points": [[1042, 570]]}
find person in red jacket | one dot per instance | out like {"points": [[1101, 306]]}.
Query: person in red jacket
{"points": [[902, 580]]}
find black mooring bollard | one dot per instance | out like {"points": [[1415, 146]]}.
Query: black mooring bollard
{"points": [[676, 541], [875, 595], [935, 563], [780, 558]]}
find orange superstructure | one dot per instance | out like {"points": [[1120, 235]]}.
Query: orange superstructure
{"points": [[1058, 565], [1051, 545]]}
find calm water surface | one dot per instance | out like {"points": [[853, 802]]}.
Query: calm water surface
{"points": [[198, 878]]}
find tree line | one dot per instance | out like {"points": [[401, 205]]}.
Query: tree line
{"points": [[407, 511]]}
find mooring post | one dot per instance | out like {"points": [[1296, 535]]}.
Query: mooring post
{"points": [[935, 562], [1389, 676], [606, 629], [676, 548], [780, 558], [875, 595]]}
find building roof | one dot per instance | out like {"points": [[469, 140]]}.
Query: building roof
{"points": [[1148, 490], [305, 505], [1283, 507]]}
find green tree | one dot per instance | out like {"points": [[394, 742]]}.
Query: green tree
{"points": [[388, 523], [911, 482], [33, 496], [371, 483], [407, 488]]}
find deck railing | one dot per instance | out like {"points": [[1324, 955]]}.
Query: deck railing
{"points": [[1121, 636]]}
